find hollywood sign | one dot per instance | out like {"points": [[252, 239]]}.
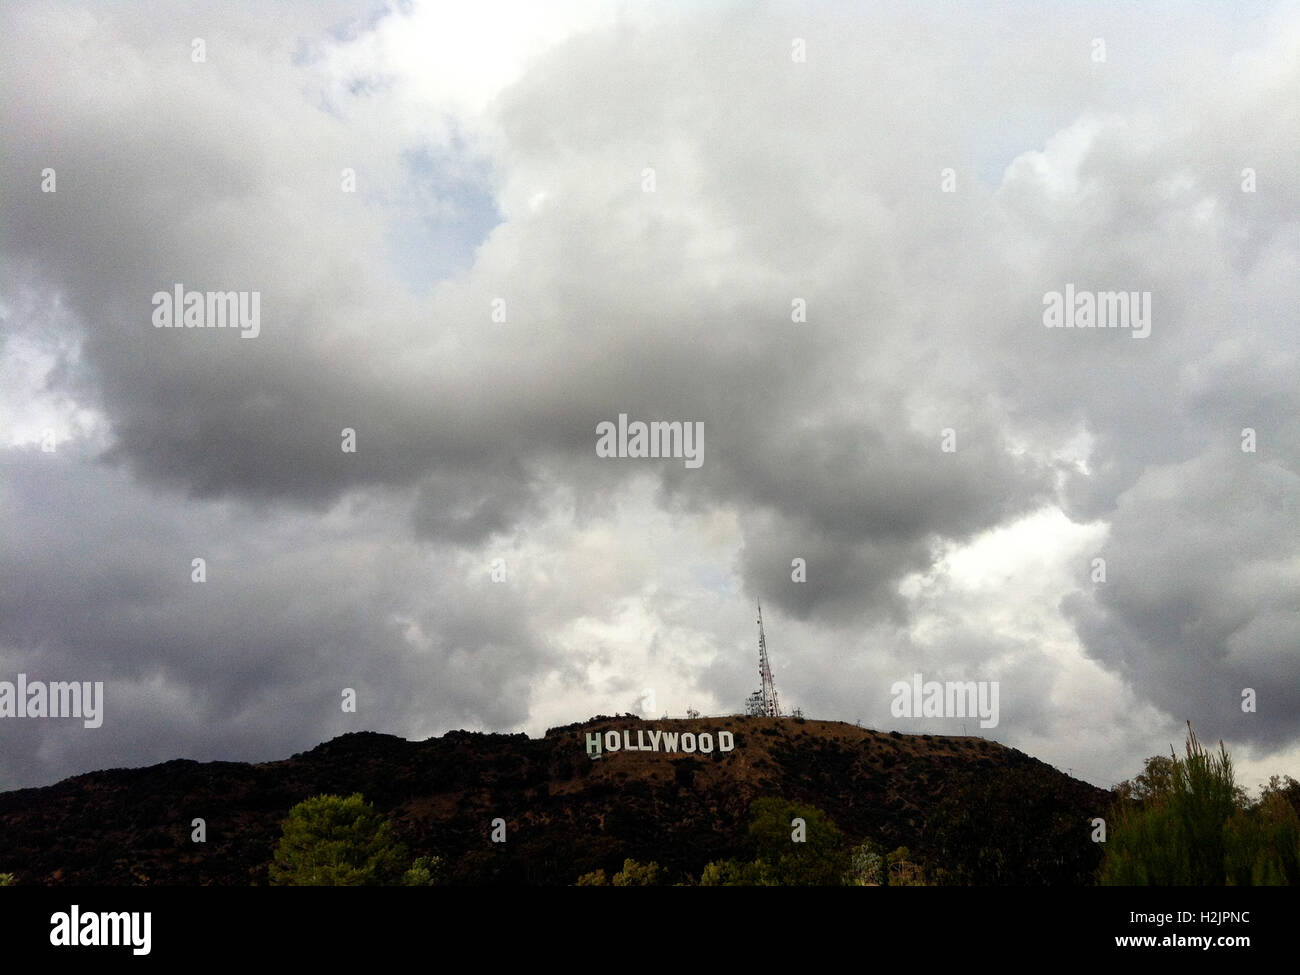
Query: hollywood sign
{"points": [[686, 742]]}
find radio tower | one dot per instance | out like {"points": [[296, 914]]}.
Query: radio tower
{"points": [[763, 701]]}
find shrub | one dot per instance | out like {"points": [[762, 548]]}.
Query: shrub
{"points": [[636, 874], [734, 873], [818, 860], [866, 866], [329, 841], [1185, 822], [428, 871]]}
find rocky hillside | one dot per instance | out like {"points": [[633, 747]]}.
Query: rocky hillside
{"points": [[984, 813]]}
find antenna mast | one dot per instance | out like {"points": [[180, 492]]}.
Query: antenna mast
{"points": [[768, 703]]}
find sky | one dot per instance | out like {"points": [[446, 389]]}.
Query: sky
{"points": [[824, 237]]}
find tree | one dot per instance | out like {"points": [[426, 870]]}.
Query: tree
{"points": [[633, 874], [1186, 822], [428, 871], [901, 871], [866, 866], [329, 841], [636, 874], [1286, 787], [818, 859], [1263, 841], [1153, 782], [735, 873], [787, 854]]}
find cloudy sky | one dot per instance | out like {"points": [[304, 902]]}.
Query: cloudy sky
{"points": [[824, 233]]}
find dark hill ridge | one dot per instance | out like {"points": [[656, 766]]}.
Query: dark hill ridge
{"points": [[985, 813]]}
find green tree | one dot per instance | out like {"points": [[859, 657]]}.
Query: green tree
{"points": [[329, 841], [736, 873], [1154, 781], [636, 874], [7, 880], [817, 859], [1263, 840], [633, 874], [787, 853], [1186, 822], [900, 871], [866, 866], [428, 871]]}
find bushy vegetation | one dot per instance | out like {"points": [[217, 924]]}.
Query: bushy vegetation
{"points": [[1007, 826], [330, 841], [815, 858], [782, 853], [428, 871], [633, 874], [1186, 822], [866, 867], [870, 866]]}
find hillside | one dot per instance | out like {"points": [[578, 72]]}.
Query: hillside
{"points": [[985, 813]]}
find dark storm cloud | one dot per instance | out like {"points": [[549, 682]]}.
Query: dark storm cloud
{"points": [[99, 585], [1199, 601]]}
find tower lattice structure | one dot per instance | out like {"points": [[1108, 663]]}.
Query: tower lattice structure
{"points": [[764, 701]]}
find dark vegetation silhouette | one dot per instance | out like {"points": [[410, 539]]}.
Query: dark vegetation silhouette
{"points": [[908, 809]]}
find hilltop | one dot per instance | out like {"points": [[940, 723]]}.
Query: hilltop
{"points": [[985, 813]]}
